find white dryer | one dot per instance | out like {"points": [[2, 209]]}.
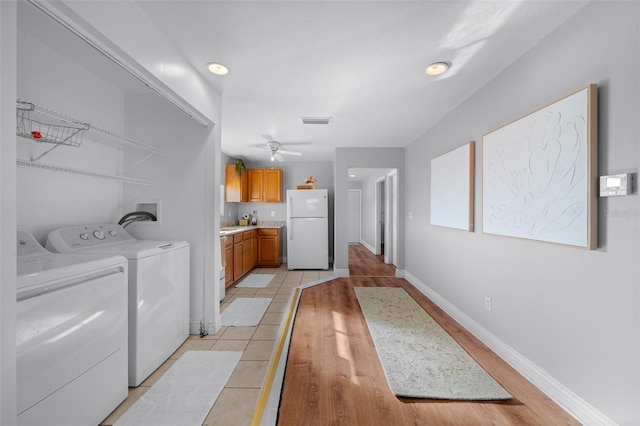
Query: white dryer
{"points": [[158, 289], [71, 330]]}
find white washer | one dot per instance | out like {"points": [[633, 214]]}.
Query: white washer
{"points": [[71, 330], [158, 289]]}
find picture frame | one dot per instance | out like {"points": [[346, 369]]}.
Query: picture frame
{"points": [[539, 173], [452, 188]]}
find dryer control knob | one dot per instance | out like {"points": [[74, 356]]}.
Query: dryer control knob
{"points": [[84, 236], [99, 235], [113, 233]]}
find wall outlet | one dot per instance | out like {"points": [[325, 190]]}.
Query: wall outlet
{"points": [[273, 214], [487, 303]]}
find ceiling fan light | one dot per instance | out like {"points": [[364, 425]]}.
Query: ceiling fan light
{"points": [[273, 156]]}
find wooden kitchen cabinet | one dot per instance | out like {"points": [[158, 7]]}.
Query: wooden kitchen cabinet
{"points": [[268, 247], [228, 268], [238, 265], [255, 186], [255, 178], [272, 185], [249, 253], [235, 189], [241, 254]]}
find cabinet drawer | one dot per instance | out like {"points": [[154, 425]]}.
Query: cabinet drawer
{"points": [[228, 242], [247, 235], [268, 231], [237, 238]]}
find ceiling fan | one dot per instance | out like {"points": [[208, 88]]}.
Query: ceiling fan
{"points": [[274, 148]]}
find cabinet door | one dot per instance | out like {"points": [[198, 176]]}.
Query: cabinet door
{"points": [[254, 251], [246, 257], [255, 178], [228, 269], [269, 248], [237, 261], [272, 186], [235, 189]]}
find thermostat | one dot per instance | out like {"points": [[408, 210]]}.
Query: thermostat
{"points": [[616, 185]]}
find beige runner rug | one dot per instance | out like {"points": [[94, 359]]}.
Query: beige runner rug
{"points": [[418, 357]]}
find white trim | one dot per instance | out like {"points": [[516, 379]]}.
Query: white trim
{"points": [[564, 397], [341, 272], [400, 273], [368, 247]]}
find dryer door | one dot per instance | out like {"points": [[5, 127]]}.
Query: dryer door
{"points": [[66, 331]]}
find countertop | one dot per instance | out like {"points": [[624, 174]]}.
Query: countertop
{"points": [[235, 229]]}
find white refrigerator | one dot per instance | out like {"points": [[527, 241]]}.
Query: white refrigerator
{"points": [[307, 229]]}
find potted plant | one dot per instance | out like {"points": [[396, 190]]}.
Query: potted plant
{"points": [[240, 168]]}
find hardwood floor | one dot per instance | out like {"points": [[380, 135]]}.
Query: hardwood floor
{"points": [[363, 263], [333, 375]]}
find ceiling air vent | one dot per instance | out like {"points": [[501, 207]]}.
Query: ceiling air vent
{"points": [[316, 120]]}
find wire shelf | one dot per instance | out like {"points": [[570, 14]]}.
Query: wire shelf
{"points": [[63, 169], [42, 125]]}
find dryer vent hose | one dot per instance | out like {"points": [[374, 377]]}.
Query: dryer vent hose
{"points": [[129, 218]]}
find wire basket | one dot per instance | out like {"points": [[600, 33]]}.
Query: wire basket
{"points": [[47, 127]]}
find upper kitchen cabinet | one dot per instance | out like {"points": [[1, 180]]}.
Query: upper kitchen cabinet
{"points": [[236, 189], [272, 187], [255, 186]]}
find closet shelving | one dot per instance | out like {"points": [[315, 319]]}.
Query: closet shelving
{"points": [[44, 125]]}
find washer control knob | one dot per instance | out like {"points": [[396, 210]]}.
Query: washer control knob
{"points": [[84, 236], [99, 235], [113, 233]]}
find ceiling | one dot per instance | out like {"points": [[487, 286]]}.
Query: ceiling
{"points": [[362, 63]]}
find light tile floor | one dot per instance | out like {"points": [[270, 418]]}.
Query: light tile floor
{"points": [[235, 405]]}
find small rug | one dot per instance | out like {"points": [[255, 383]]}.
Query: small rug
{"points": [[256, 280], [245, 311], [185, 394], [419, 358]]}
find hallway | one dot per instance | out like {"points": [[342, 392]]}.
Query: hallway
{"points": [[333, 374]]}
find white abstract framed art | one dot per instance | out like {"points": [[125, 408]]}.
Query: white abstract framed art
{"points": [[539, 174], [452, 184]]}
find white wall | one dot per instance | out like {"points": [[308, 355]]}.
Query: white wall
{"points": [[180, 182], [571, 314], [8, 75], [46, 199]]}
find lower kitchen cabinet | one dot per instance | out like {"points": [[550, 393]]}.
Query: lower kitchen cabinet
{"points": [[268, 247], [241, 255], [246, 250], [228, 269]]}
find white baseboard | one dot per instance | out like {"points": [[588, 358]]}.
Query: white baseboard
{"points": [[341, 272], [400, 273], [564, 397], [368, 247], [194, 327]]}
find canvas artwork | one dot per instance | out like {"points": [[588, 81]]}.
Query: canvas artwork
{"points": [[539, 174], [452, 188]]}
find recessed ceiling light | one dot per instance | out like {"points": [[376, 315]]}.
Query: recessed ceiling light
{"points": [[437, 68], [217, 68]]}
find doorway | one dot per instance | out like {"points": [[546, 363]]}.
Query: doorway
{"points": [[354, 226], [377, 188]]}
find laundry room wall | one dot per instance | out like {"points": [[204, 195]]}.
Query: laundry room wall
{"points": [[184, 184], [567, 317], [51, 73]]}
